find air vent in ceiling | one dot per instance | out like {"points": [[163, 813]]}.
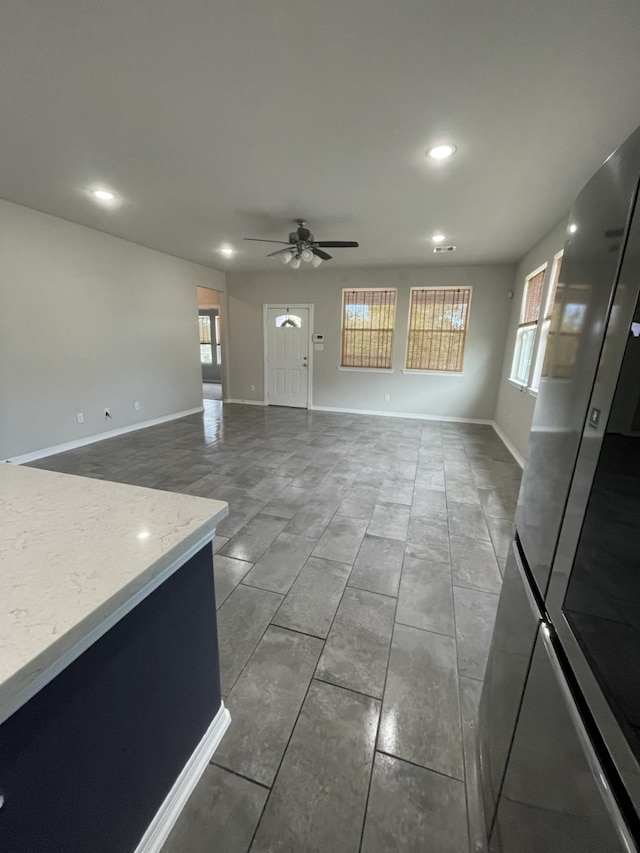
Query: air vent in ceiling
{"points": [[443, 250]]}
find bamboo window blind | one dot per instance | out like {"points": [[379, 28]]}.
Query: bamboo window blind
{"points": [[438, 319], [554, 287], [552, 314], [205, 329], [532, 300], [368, 319]]}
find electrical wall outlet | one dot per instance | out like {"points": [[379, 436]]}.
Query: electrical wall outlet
{"points": [[253, 387], [80, 418], [136, 406], [387, 398]]}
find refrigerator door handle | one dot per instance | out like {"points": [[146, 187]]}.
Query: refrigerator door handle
{"points": [[587, 746]]}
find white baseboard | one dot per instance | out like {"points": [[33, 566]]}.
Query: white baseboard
{"points": [[509, 445], [168, 813], [412, 415], [248, 402], [91, 439]]}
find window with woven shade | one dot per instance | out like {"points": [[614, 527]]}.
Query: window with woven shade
{"points": [[546, 336], [438, 320], [528, 326], [206, 356], [368, 321], [566, 325]]}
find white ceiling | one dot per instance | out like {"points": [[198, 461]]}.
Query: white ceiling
{"points": [[218, 119]]}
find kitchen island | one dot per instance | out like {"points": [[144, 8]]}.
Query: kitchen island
{"points": [[110, 703]]}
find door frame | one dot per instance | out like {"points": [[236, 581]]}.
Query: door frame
{"points": [[286, 306]]}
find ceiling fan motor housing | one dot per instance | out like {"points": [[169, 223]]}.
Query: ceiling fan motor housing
{"points": [[302, 235]]}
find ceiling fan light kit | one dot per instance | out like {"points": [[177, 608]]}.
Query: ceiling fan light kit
{"points": [[303, 246]]}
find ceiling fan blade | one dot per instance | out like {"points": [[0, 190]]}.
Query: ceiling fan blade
{"points": [[261, 240], [281, 251], [321, 254], [337, 244]]}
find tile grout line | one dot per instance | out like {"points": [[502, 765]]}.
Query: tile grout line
{"points": [[235, 681], [384, 688], [350, 689], [420, 766], [467, 779], [461, 726], [214, 763]]}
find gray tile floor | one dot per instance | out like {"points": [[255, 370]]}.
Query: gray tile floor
{"points": [[212, 390], [357, 578]]}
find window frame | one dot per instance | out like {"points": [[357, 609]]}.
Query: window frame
{"points": [[548, 295], [432, 371], [376, 369], [521, 328], [216, 328], [204, 329]]}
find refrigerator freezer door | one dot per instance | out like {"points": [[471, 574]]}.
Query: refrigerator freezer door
{"points": [[514, 635], [589, 273], [555, 795]]}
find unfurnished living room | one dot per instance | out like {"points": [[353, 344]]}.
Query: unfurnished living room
{"points": [[278, 284]]}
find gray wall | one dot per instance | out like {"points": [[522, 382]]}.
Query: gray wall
{"points": [[90, 321], [514, 410], [472, 395]]}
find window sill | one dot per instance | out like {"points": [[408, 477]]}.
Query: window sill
{"points": [[432, 372], [521, 386], [367, 369]]}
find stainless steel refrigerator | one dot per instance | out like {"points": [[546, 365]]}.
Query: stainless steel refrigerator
{"points": [[559, 730]]}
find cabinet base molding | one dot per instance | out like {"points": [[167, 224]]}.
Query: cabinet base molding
{"points": [[166, 816]]}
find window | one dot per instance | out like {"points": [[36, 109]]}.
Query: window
{"points": [[540, 360], [288, 321], [568, 316], [438, 319], [528, 327], [205, 339], [218, 347], [368, 319]]}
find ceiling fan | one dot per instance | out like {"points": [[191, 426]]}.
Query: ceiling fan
{"points": [[303, 246]]}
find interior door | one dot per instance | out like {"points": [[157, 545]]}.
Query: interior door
{"points": [[288, 357]]}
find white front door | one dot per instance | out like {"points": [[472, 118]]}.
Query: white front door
{"points": [[288, 356]]}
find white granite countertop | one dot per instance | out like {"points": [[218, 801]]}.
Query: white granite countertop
{"points": [[76, 554]]}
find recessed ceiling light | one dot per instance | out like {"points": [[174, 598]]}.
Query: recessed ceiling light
{"points": [[573, 228], [103, 195], [441, 152], [227, 251], [438, 238]]}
